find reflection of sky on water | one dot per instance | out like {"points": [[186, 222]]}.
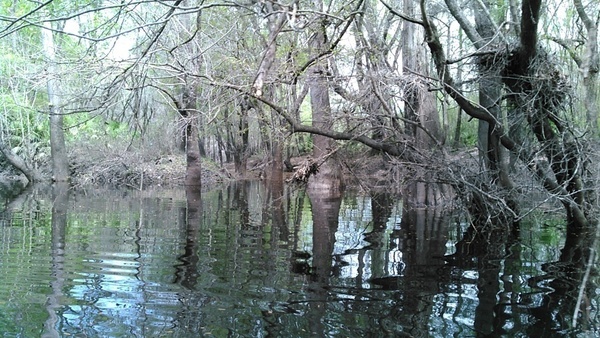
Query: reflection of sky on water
{"points": [[116, 293]]}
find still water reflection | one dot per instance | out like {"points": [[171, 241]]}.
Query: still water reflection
{"points": [[254, 260]]}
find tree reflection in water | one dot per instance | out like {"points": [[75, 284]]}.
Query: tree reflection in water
{"points": [[60, 203], [265, 260], [190, 317], [568, 306], [511, 300], [325, 213]]}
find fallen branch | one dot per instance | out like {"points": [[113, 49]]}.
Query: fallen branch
{"points": [[303, 172]]}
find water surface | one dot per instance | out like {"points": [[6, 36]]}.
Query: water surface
{"points": [[251, 260]]}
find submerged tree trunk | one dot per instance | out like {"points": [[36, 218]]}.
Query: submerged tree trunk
{"points": [[325, 213], [186, 273], [58, 149]]}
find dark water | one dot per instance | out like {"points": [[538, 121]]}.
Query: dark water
{"points": [[254, 261]]}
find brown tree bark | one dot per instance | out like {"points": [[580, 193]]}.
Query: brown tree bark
{"points": [[329, 179]]}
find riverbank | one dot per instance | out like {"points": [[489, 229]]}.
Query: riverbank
{"points": [[136, 172]]}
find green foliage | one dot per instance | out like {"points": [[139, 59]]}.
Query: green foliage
{"points": [[305, 112], [468, 133], [22, 126], [305, 144], [86, 127], [302, 143], [468, 129]]}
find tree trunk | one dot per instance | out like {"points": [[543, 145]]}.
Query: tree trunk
{"points": [[58, 149], [181, 132], [193, 176], [490, 95], [328, 180], [421, 105], [240, 157], [590, 65]]}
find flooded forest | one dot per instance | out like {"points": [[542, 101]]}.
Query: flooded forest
{"points": [[243, 168]]}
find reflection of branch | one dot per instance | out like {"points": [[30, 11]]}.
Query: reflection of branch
{"points": [[586, 276]]}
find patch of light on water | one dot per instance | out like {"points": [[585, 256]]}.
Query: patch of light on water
{"points": [[396, 263], [467, 321], [470, 274], [450, 248]]}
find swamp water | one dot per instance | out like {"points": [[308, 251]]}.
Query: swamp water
{"points": [[251, 261]]}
